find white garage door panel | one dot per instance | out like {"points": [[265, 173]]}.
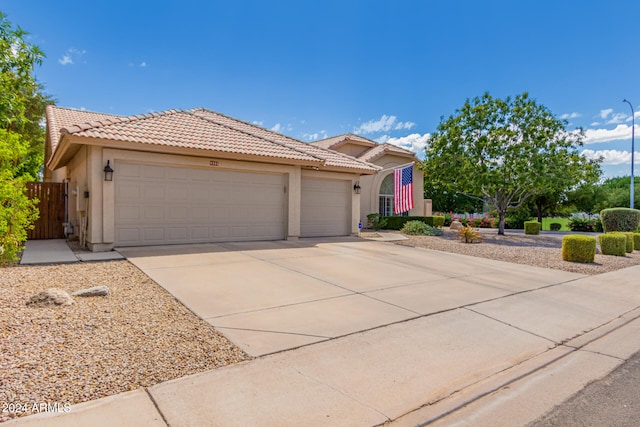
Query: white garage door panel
{"points": [[325, 208], [162, 204]]}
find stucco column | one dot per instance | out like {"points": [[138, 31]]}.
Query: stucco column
{"points": [[108, 200], [355, 207], [294, 191]]}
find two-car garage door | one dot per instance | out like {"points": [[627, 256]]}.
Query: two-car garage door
{"points": [[162, 205], [157, 204]]}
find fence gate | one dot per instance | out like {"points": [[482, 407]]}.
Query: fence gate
{"points": [[51, 206]]}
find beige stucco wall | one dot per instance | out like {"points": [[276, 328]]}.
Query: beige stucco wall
{"points": [[371, 187], [85, 173], [352, 149]]}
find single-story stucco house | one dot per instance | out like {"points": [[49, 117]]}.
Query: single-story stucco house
{"points": [[194, 176]]}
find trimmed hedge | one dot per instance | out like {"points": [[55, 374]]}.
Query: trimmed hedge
{"points": [[630, 244], [613, 244], [532, 227], [397, 222], [620, 219], [636, 241], [578, 248], [555, 226]]}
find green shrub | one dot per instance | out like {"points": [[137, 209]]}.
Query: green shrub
{"points": [[556, 226], [438, 221], [630, 244], [620, 219], [419, 228], [397, 222], [578, 248], [584, 224], [636, 241], [613, 244], [376, 221], [515, 219], [532, 227]]}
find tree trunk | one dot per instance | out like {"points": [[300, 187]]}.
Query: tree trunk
{"points": [[501, 215], [539, 208]]}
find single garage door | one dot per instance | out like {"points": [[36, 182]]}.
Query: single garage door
{"points": [[164, 205], [325, 208]]}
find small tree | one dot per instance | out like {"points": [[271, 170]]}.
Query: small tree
{"points": [[505, 151], [17, 212]]}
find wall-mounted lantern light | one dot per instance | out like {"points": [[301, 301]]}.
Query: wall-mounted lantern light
{"points": [[108, 172], [356, 187]]}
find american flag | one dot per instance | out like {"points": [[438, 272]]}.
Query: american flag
{"points": [[403, 190]]}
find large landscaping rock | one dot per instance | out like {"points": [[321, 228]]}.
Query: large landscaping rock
{"points": [[456, 225], [52, 296], [96, 291]]}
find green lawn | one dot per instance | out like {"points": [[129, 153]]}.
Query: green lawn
{"points": [[563, 221]]}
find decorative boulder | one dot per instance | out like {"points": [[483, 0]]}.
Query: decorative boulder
{"points": [[52, 296], [96, 291], [456, 225]]}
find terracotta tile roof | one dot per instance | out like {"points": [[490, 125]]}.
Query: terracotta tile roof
{"points": [[330, 157], [382, 149], [58, 118], [199, 129], [336, 141]]}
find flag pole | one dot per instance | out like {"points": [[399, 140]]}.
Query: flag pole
{"points": [[397, 167]]}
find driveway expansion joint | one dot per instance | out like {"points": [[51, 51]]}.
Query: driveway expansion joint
{"points": [[341, 392], [155, 404]]}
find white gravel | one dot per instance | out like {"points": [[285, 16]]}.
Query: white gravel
{"points": [[138, 336], [540, 251]]}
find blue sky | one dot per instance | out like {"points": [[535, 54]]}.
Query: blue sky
{"points": [[387, 70]]}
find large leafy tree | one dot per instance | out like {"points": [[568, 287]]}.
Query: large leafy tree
{"points": [[22, 106], [505, 150]]}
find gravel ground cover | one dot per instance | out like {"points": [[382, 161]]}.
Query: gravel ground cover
{"points": [[138, 336], [540, 251]]}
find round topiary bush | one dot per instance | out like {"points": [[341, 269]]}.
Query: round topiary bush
{"points": [[578, 248], [532, 227], [636, 241], [620, 219], [555, 226], [613, 244]]}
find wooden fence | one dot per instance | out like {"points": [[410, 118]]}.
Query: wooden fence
{"points": [[51, 206]]}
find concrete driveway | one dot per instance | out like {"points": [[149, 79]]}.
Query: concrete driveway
{"points": [[272, 296]]}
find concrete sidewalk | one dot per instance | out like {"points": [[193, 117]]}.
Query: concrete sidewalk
{"points": [[501, 362], [56, 251]]}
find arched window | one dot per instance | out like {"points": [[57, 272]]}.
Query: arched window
{"points": [[385, 196]]}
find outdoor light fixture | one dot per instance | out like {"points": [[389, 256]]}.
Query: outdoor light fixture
{"points": [[356, 187], [633, 128], [108, 172]]}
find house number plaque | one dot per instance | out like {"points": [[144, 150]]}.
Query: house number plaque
{"points": [[213, 163]]}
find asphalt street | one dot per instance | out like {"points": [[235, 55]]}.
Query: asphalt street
{"points": [[612, 401]]}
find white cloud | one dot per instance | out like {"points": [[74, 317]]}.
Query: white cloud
{"points": [[612, 157], [621, 132], [71, 56], [570, 116], [617, 118], [143, 64], [404, 125], [594, 124], [258, 123], [276, 128], [414, 142], [65, 60], [605, 113], [315, 136], [383, 124]]}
